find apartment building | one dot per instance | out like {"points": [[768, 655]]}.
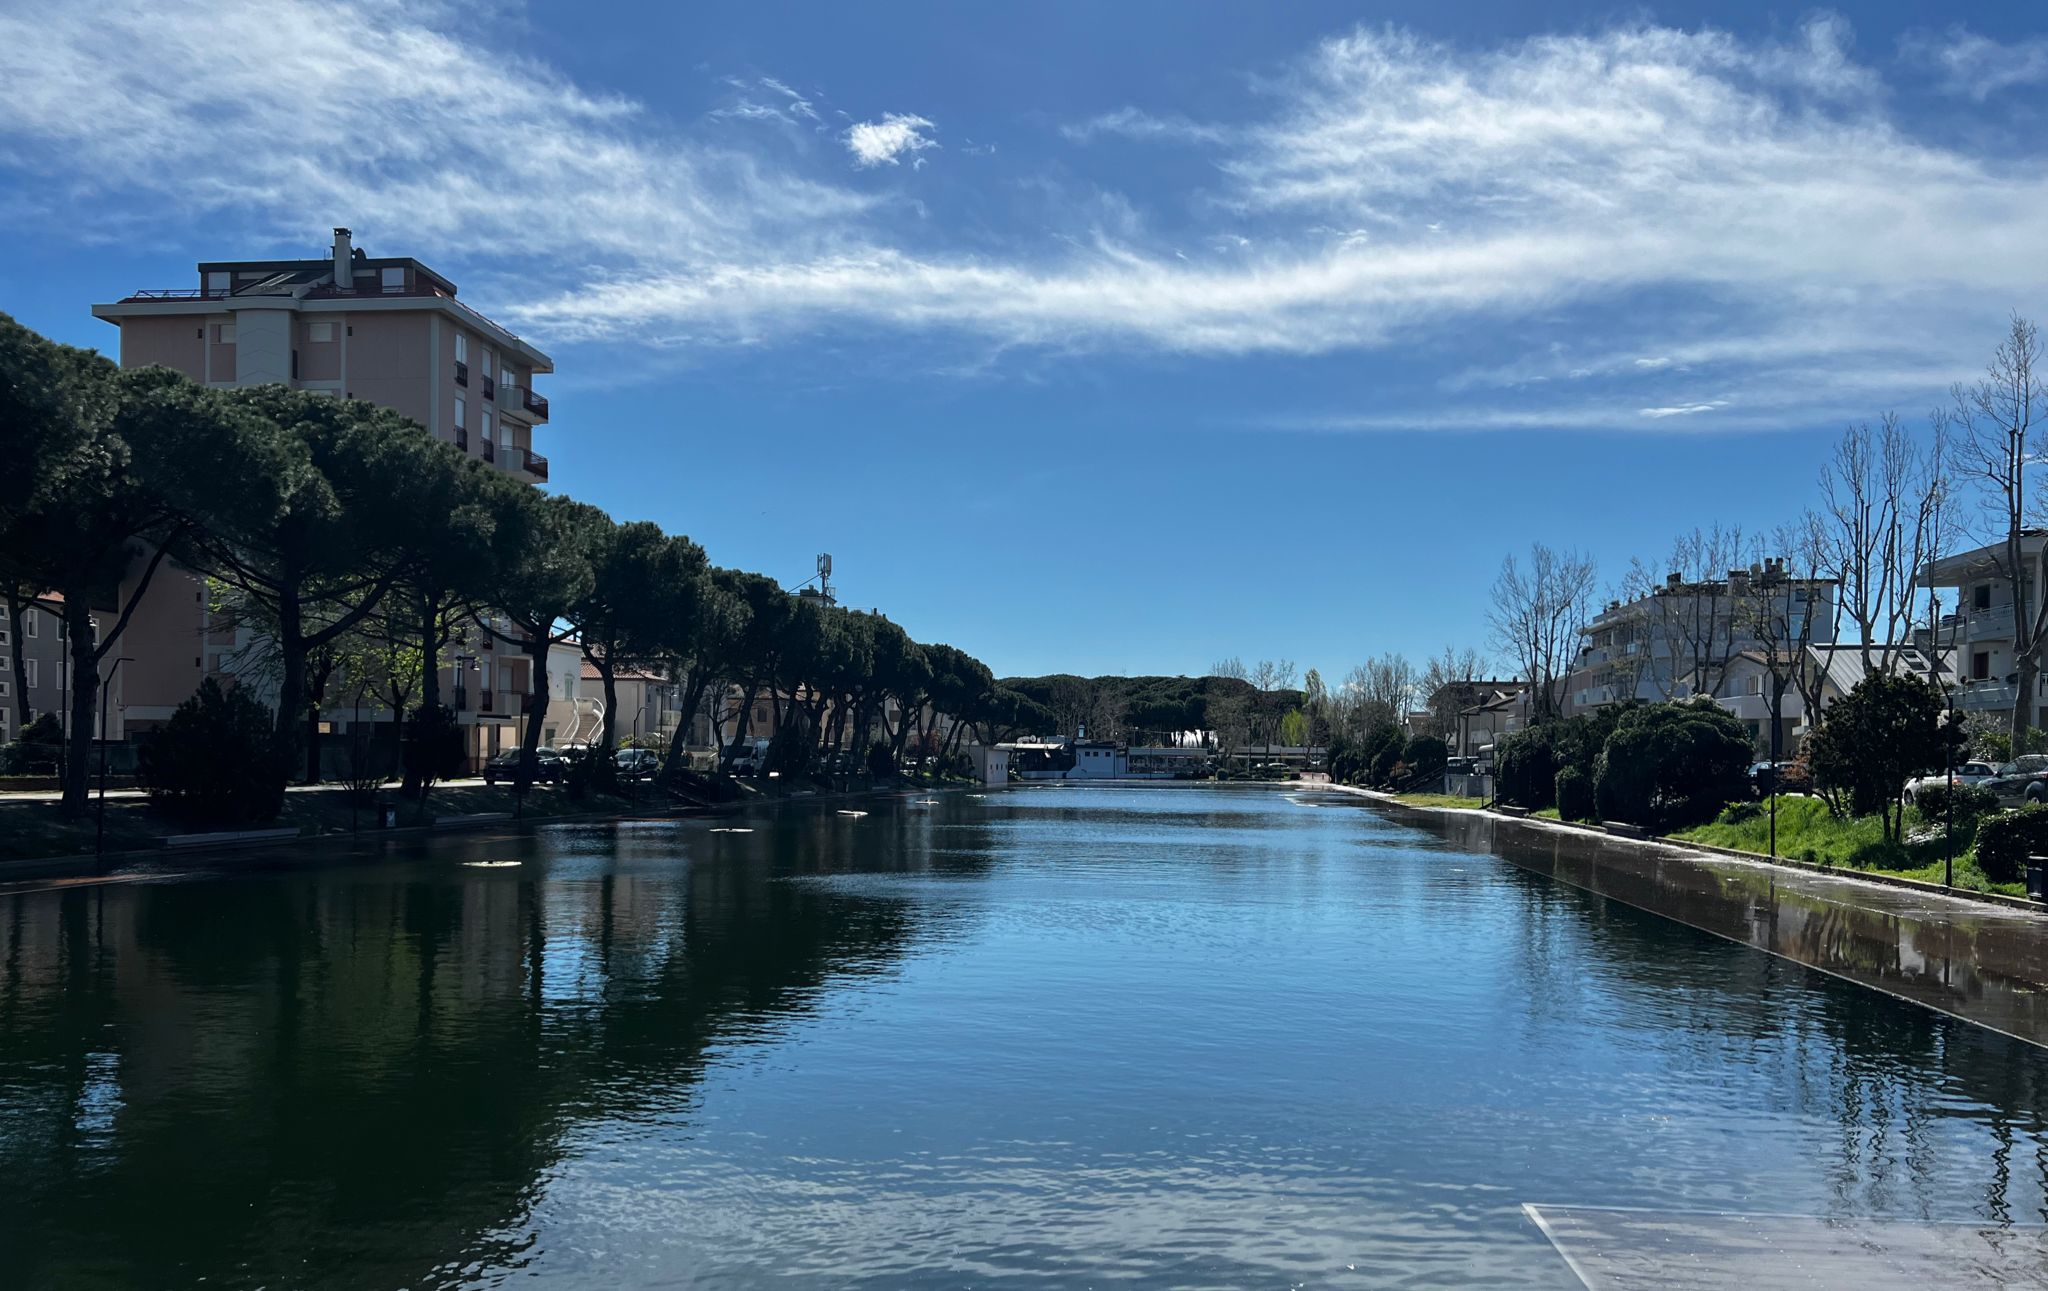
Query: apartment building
{"points": [[1979, 625], [44, 657], [1680, 638], [388, 330]]}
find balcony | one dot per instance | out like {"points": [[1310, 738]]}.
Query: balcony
{"points": [[535, 404], [537, 466], [1986, 695], [462, 438], [490, 386], [461, 373], [490, 451]]}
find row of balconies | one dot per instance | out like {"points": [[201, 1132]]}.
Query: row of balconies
{"points": [[516, 458], [516, 397]]}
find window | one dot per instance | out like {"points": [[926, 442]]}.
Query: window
{"points": [[1980, 596], [33, 666], [462, 414], [225, 333], [31, 622], [487, 430], [217, 283], [1980, 666], [486, 360], [1756, 685], [393, 279], [461, 348], [318, 333]]}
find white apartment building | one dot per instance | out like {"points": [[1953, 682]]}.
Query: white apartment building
{"points": [[1681, 638], [1979, 624]]}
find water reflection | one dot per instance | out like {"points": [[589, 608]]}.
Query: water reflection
{"points": [[1162, 1037]]}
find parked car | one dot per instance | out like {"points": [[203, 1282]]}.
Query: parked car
{"points": [[1767, 778], [1458, 766], [637, 764], [551, 766], [2020, 781], [1969, 773]]}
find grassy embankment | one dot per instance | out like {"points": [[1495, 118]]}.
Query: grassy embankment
{"points": [[1807, 832]]}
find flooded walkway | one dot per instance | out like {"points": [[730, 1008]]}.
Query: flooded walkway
{"points": [[1976, 961]]}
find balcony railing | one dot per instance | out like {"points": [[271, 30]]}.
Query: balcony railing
{"points": [[462, 438], [490, 387], [178, 293], [490, 451], [461, 373], [484, 704], [537, 466], [533, 403]]}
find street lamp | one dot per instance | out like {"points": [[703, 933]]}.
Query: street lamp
{"points": [[99, 837]]}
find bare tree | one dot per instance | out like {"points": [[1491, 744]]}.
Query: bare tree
{"points": [[1995, 421], [1537, 616], [1378, 693], [1440, 689], [1690, 617], [1880, 521]]}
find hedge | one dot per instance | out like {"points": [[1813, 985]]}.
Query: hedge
{"points": [[1574, 795], [2005, 841]]}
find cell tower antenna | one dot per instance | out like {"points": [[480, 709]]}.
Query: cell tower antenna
{"points": [[825, 577]]}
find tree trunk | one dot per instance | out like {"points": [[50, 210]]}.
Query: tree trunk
{"points": [[84, 699], [2028, 671], [430, 652], [608, 730], [742, 726], [291, 681], [536, 704], [17, 603], [693, 697]]}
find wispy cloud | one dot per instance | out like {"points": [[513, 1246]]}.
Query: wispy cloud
{"points": [[878, 143], [1683, 409], [1975, 66], [1680, 195]]}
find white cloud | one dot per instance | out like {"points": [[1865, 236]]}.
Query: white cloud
{"points": [[1975, 66], [876, 143], [1683, 409], [1751, 210]]}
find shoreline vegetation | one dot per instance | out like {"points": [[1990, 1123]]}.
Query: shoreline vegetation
{"points": [[1807, 835]]}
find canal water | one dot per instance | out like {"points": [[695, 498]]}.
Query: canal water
{"points": [[1055, 1036]]}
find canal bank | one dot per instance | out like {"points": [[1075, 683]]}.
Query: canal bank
{"points": [[1985, 962]]}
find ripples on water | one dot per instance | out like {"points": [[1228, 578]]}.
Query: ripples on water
{"points": [[1060, 1036]]}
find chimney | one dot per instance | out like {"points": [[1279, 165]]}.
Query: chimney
{"points": [[344, 262], [1672, 579], [1738, 582]]}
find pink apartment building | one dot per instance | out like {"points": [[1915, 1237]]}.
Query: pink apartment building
{"points": [[386, 330]]}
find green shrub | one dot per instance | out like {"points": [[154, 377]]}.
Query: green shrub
{"points": [[433, 747], [216, 762], [37, 749], [2005, 841], [1426, 756], [1672, 766], [881, 763], [1970, 801], [1739, 813], [1574, 793], [1525, 772]]}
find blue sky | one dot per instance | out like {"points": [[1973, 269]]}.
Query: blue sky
{"points": [[1105, 338]]}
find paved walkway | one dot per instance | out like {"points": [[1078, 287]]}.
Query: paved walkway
{"points": [[1984, 963]]}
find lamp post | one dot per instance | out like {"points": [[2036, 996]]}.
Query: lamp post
{"points": [[1948, 849], [99, 837]]}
